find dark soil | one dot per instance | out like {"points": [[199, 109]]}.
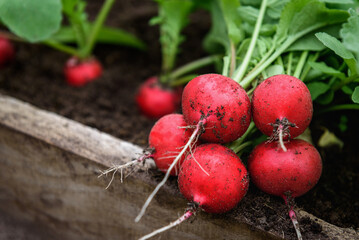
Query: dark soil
{"points": [[108, 104]]}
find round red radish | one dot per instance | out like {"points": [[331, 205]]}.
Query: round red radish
{"points": [[167, 138], [221, 102], [78, 73], [155, 101], [214, 178], [291, 173], [282, 101], [7, 51]]}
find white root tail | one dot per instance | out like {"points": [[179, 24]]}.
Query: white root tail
{"points": [[294, 219], [289, 201], [281, 142], [184, 217]]}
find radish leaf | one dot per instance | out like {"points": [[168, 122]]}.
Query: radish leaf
{"points": [[338, 47], [321, 66], [106, 35], [173, 17], [217, 39], [233, 22], [33, 20], [355, 95], [350, 33], [317, 88]]}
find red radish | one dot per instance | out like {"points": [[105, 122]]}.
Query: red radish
{"points": [[167, 138], [221, 102], [282, 106], [154, 100], [286, 174], [279, 173], [7, 51], [78, 73], [212, 178]]}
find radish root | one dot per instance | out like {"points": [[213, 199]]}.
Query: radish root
{"points": [[115, 168], [188, 213], [280, 131], [289, 201]]}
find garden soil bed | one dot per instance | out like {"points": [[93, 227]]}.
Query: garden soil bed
{"points": [[35, 76]]}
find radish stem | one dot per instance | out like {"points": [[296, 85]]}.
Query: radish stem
{"points": [[62, 47], [193, 66], [243, 67], [263, 64], [300, 65], [194, 135], [182, 80], [307, 67], [289, 66], [106, 7], [225, 66], [233, 60], [280, 61]]}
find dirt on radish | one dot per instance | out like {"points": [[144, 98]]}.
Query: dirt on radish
{"points": [[221, 102]]}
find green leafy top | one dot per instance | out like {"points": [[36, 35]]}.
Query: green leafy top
{"points": [[34, 20]]}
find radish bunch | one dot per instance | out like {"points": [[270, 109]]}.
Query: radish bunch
{"points": [[217, 110], [212, 176]]}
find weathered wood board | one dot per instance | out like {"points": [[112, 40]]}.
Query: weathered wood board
{"points": [[49, 186]]}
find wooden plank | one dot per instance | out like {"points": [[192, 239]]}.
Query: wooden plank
{"points": [[48, 183]]}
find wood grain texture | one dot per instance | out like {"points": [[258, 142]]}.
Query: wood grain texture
{"points": [[49, 187]]}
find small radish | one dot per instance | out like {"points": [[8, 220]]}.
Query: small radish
{"points": [[221, 102], [167, 138], [285, 174], [78, 73], [7, 51], [282, 107], [154, 100], [213, 178]]}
